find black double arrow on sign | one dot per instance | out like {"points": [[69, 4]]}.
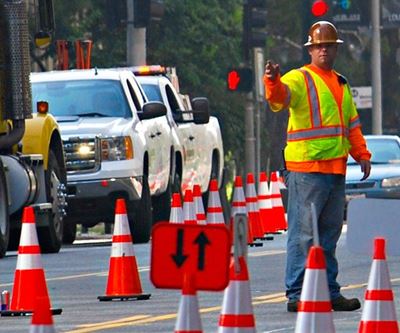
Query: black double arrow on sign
{"points": [[201, 240]]}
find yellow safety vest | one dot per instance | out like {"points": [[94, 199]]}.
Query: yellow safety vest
{"points": [[318, 127]]}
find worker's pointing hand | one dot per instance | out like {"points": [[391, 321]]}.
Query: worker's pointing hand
{"points": [[271, 70]]}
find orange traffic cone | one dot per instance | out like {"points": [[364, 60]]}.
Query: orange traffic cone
{"points": [[189, 212], [379, 314], [123, 277], [239, 207], [315, 308], [252, 207], [215, 214], [29, 278], [265, 204], [176, 214], [198, 205], [42, 320], [278, 211], [237, 309], [188, 319]]}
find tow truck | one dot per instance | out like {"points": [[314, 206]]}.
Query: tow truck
{"points": [[32, 167]]}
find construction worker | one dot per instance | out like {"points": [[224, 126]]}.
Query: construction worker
{"points": [[323, 129]]}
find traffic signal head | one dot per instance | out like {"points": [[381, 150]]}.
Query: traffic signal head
{"points": [[240, 79], [144, 10], [254, 23]]}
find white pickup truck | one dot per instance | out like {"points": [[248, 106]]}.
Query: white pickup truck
{"points": [[199, 153], [117, 145]]}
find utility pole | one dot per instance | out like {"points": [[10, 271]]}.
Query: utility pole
{"points": [[249, 131], [254, 39], [259, 62], [135, 39], [376, 68]]}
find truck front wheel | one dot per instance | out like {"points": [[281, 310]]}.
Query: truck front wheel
{"points": [[4, 220], [50, 236], [140, 215]]}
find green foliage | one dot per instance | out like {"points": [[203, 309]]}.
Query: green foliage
{"points": [[203, 38]]}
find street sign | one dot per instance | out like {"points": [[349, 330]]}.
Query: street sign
{"points": [[390, 14], [200, 250], [362, 96]]}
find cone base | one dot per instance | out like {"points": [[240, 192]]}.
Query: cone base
{"points": [[264, 238], [255, 244], [16, 313], [124, 297]]}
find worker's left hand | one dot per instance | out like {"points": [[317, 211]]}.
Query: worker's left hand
{"points": [[365, 168]]}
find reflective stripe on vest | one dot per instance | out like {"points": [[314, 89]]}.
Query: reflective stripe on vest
{"points": [[355, 122], [316, 121]]}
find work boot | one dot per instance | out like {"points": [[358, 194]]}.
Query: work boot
{"points": [[344, 304], [292, 305]]}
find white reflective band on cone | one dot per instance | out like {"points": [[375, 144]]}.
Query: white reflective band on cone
{"points": [[237, 291], [379, 280], [28, 234], [378, 310], [29, 261], [316, 289], [188, 314], [122, 250], [121, 225], [320, 322]]}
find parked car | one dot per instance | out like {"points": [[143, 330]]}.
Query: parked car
{"points": [[384, 180]]}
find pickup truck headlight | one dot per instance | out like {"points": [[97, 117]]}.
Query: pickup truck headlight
{"points": [[391, 182], [116, 148]]}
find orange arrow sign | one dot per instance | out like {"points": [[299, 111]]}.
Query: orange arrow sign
{"points": [[201, 250]]}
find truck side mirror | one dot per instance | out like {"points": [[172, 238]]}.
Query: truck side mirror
{"points": [[201, 113], [152, 110]]}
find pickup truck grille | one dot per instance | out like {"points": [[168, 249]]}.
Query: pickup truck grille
{"points": [[82, 155]]}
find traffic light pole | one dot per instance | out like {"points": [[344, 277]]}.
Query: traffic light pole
{"points": [[259, 62], [376, 69], [249, 131], [135, 40]]}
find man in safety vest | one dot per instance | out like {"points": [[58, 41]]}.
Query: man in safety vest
{"points": [[323, 129]]}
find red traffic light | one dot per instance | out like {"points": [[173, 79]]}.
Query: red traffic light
{"points": [[319, 8], [240, 79]]}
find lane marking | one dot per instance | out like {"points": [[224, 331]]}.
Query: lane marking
{"points": [[78, 276], [143, 319], [266, 253]]}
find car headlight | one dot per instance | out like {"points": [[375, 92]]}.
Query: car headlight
{"points": [[116, 148], [391, 182]]}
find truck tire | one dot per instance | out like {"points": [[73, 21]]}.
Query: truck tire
{"points": [[213, 175], [69, 231], [50, 237], [161, 205], [140, 215], [4, 219]]}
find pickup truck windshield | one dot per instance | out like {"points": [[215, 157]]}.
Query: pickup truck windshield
{"points": [[82, 98], [152, 92]]}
